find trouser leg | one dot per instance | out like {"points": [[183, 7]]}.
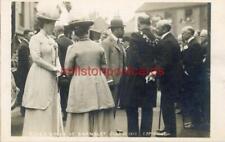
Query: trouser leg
{"points": [[115, 98], [195, 109], [64, 90], [132, 122], [146, 122], [168, 112], [19, 100], [186, 99]]}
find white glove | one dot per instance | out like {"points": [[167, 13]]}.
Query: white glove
{"points": [[150, 77], [186, 72]]}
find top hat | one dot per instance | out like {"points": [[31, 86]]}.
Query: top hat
{"points": [[116, 23]]}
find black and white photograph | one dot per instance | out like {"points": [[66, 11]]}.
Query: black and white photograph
{"points": [[110, 69]]}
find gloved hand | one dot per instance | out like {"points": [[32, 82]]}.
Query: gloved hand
{"points": [[151, 76]]}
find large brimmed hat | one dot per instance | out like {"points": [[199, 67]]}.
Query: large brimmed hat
{"points": [[116, 23], [48, 12], [81, 22], [79, 19]]}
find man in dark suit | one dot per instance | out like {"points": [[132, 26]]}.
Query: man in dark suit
{"points": [[192, 57], [206, 75], [63, 44], [115, 56], [168, 58], [134, 91], [24, 63]]}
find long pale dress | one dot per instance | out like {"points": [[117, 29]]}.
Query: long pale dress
{"points": [[90, 101], [41, 99]]}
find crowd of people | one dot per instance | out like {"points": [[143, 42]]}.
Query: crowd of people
{"points": [[50, 92]]}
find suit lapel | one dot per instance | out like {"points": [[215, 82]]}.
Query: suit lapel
{"points": [[167, 36], [120, 49], [193, 41], [115, 44]]}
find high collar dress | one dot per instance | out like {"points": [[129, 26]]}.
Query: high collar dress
{"points": [[41, 99]]}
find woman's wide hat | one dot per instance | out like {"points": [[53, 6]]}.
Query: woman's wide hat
{"points": [[81, 22], [79, 19], [48, 12]]}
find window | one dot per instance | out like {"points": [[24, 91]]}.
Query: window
{"points": [[168, 15], [21, 14], [188, 14]]}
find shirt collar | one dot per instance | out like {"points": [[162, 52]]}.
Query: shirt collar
{"points": [[190, 39], [60, 35], [43, 32], [114, 37], [164, 35], [24, 39]]}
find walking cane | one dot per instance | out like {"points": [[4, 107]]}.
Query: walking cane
{"points": [[160, 112], [59, 114]]}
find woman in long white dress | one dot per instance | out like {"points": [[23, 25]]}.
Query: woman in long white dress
{"points": [[41, 99], [90, 101]]}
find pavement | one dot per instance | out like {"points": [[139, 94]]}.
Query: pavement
{"points": [[120, 124]]}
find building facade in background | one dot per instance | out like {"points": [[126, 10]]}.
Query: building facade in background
{"points": [[181, 14], [23, 16]]}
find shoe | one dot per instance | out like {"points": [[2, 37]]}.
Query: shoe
{"points": [[160, 131], [188, 125], [178, 111], [163, 134], [119, 131]]}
